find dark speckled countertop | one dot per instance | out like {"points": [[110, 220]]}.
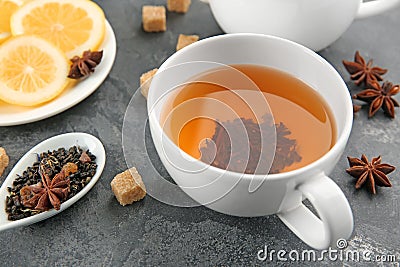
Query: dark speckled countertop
{"points": [[97, 231]]}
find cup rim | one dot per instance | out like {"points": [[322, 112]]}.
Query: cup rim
{"points": [[334, 151]]}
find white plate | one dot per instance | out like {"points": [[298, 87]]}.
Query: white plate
{"points": [[16, 115], [84, 141]]}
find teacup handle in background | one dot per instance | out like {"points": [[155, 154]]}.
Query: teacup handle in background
{"points": [[336, 218], [376, 7], [367, 9]]}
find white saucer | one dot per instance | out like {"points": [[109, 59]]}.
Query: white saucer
{"points": [[16, 115]]}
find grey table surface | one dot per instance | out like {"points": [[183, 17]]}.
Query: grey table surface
{"points": [[97, 231]]}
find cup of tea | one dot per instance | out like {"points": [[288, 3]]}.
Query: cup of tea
{"points": [[251, 125], [313, 23]]}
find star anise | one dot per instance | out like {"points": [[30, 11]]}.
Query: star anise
{"points": [[380, 96], [49, 192], [83, 66], [373, 173], [361, 71]]}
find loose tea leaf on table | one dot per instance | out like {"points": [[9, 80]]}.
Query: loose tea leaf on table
{"points": [[356, 108]]}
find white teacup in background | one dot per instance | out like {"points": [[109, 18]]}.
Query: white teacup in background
{"points": [[313, 23], [281, 194]]}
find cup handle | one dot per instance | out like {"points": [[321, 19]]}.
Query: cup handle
{"points": [[336, 218], [376, 7]]}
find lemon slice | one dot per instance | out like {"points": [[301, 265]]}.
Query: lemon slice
{"points": [[7, 8], [72, 25], [32, 71]]}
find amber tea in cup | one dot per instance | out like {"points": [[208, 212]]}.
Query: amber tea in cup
{"points": [[204, 119]]}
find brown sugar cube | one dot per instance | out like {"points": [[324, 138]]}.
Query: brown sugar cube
{"points": [[154, 18], [128, 187], [180, 6], [145, 81], [185, 40], [4, 160]]}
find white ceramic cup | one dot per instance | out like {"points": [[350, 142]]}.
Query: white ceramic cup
{"points": [[281, 194], [313, 23]]}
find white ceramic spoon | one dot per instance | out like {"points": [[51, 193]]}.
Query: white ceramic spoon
{"points": [[84, 141]]}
